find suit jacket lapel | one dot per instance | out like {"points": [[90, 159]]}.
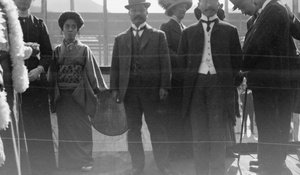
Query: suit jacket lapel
{"points": [[263, 13], [127, 38], [146, 36], [198, 46], [216, 26], [175, 26]]}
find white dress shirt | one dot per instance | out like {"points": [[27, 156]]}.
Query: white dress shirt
{"points": [[138, 29], [207, 64]]}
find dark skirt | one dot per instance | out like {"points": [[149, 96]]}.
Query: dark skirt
{"points": [[74, 133], [13, 138], [38, 129]]}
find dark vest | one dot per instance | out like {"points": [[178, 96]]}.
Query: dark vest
{"points": [[135, 67], [135, 64]]}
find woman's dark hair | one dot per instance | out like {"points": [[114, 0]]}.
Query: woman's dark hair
{"points": [[220, 13], [70, 15]]}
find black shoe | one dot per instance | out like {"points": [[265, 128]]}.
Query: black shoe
{"points": [[137, 171], [230, 154], [254, 169], [254, 163]]}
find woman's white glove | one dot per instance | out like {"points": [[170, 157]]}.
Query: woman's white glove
{"points": [[27, 52], [34, 74]]}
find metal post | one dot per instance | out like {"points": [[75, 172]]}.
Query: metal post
{"points": [[105, 33], [72, 5], [295, 7], [44, 10], [226, 8]]}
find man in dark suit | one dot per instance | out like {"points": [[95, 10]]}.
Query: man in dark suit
{"points": [[211, 52], [141, 76], [247, 7], [35, 101], [266, 50], [294, 52], [178, 130]]}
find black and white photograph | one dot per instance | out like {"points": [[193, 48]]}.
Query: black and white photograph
{"points": [[149, 87]]}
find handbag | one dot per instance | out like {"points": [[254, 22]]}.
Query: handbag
{"points": [[84, 95], [110, 118]]}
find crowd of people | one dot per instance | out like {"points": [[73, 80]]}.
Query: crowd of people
{"points": [[183, 80]]}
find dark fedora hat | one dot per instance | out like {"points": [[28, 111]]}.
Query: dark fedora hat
{"points": [[137, 2], [235, 3]]}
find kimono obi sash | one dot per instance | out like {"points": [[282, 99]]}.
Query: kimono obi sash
{"points": [[70, 74]]}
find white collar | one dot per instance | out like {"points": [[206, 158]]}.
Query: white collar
{"points": [[176, 19], [205, 18], [134, 26]]}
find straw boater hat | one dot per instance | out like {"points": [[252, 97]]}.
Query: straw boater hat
{"points": [[168, 5], [137, 2]]}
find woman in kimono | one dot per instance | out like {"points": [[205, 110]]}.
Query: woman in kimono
{"points": [[73, 65]]}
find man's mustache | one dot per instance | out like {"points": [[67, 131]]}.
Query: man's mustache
{"points": [[210, 9], [138, 17]]}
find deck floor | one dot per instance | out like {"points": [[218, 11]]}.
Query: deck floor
{"points": [[111, 156], [118, 163]]}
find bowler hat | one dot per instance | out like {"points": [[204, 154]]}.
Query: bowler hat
{"points": [[168, 5], [137, 2]]}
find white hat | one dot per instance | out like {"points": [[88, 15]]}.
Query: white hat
{"points": [[168, 5]]}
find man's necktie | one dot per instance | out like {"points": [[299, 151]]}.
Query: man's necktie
{"points": [[137, 36], [208, 23]]}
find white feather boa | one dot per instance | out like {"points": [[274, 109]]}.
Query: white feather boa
{"points": [[18, 52], [17, 48]]}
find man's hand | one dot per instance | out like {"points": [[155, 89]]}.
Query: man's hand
{"points": [[115, 95], [163, 93], [34, 74]]}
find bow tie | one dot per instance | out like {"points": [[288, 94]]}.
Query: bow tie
{"points": [[208, 23]]}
